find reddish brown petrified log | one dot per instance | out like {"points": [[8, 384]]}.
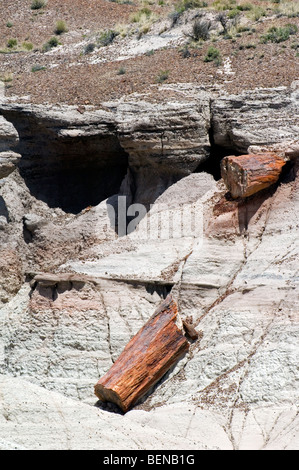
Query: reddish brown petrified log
{"points": [[247, 174], [158, 345]]}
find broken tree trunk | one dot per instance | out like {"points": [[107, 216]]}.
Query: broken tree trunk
{"points": [[247, 174], [158, 345]]}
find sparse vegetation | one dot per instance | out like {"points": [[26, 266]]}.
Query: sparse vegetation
{"points": [[107, 37], [201, 30], [53, 42], [162, 76], [213, 55], [37, 68], [185, 52], [288, 8], [60, 27], [9, 24], [12, 43], [6, 78], [28, 46], [139, 15], [245, 7], [144, 18], [37, 4], [184, 5], [256, 13], [89, 48], [247, 46], [121, 71], [224, 4], [279, 34]]}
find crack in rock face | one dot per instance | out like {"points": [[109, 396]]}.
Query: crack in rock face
{"points": [[73, 293]]}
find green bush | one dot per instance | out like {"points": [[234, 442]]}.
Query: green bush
{"points": [[28, 46], [60, 27], [184, 5], [245, 7], [162, 76], [37, 4], [256, 13], [107, 37], [279, 34], [224, 4], [121, 71], [37, 68], [53, 42], [213, 55], [11, 43], [233, 13]]}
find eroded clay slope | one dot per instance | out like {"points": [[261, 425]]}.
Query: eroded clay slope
{"points": [[73, 293]]}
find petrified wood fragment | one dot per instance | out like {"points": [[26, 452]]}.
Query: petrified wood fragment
{"points": [[158, 345], [247, 174]]}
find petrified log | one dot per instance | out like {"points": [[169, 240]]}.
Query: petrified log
{"points": [[158, 345], [247, 174]]}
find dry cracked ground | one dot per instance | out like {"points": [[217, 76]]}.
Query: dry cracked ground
{"points": [[114, 120]]}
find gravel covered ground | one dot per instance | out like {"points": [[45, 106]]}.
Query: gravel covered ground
{"points": [[153, 53]]}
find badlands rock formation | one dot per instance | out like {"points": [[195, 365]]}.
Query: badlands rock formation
{"points": [[75, 288]]}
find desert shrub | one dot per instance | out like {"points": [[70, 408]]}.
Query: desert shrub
{"points": [[213, 55], [279, 34], [184, 5], [141, 14], [201, 30], [90, 47], [247, 46], [223, 20], [28, 46], [256, 13], [224, 4], [37, 4], [288, 8], [107, 37], [121, 71], [245, 7], [233, 13], [37, 68], [185, 53], [9, 24], [60, 27], [174, 17], [6, 78], [162, 76], [144, 19], [11, 43], [53, 42]]}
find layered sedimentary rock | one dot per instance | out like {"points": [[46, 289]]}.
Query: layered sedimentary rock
{"points": [[255, 117], [165, 141], [74, 294]]}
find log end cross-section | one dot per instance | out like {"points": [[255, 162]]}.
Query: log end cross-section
{"points": [[245, 175], [158, 345]]}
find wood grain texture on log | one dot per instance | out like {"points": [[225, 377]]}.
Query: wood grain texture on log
{"points": [[158, 345], [245, 175]]}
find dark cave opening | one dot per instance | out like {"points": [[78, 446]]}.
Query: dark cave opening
{"points": [[81, 173], [68, 170], [212, 164]]}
